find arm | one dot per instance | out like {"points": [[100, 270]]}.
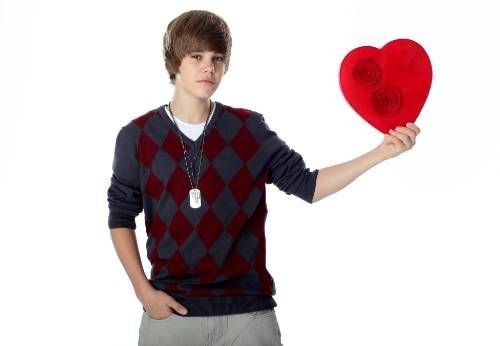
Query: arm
{"points": [[125, 244], [157, 303], [334, 178], [125, 203], [286, 167], [153, 301]]}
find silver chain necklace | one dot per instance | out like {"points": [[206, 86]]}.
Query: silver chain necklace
{"points": [[194, 192]]}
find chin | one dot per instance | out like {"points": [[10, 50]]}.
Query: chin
{"points": [[204, 94]]}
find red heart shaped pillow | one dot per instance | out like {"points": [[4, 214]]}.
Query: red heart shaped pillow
{"points": [[389, 86]]}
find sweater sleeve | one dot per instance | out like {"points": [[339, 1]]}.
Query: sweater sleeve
{"points": [[286, 167], [124, 192]]}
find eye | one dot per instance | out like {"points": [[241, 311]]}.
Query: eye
{"points": [[196, 56]]}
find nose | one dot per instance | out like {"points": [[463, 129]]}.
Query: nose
{"points": [[210, 67]]}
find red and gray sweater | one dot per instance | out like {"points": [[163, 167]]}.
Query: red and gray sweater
{"points": [[211, 259]]}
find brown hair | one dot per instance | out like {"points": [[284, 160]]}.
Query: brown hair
{"points": [[195, 30]]}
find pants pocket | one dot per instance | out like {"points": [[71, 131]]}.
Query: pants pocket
{"points": [[262, 313], [157, 320], [261, 329]]}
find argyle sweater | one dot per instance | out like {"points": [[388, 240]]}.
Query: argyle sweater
{"points": [[211, 259]]}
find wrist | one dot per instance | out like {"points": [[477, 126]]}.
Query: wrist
{"points": [[379, 155], [142, 288]]}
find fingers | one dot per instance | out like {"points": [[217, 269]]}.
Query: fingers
{"points": [[402, 138], [407, 135], [171, 302], [413, 127]]}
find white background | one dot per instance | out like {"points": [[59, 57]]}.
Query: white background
{"points": [[408, 254]]}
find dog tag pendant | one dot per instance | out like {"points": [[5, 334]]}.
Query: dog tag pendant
{"points": [[194, 198]]}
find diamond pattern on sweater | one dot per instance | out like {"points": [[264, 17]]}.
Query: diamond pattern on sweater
{"points": [[177, 266], [244, 144], [180, 228], [154, 186], [162, 168], [193, 250], [227, 163], [172, 146], [214, 143], [209, 228], [204, 268], [225, 205], [194, 215], [167, 246], [178, 185], [166, 210], [148, 150], [241, 185], [218, 249], [211, 184]]}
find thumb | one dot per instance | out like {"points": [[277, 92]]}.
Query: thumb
{"points": [[171, 302]]}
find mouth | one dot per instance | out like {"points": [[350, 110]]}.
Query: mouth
{"points": [[206, 82]]}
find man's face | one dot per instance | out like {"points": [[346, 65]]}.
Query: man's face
{"points": [[200, 73]]}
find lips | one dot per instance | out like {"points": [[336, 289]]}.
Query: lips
{"points": [[207, 81]]}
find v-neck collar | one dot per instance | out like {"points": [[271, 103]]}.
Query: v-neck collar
{"points": [[186, 139]]}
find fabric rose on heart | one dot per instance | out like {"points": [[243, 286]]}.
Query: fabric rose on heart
{"points": [[386, 101], [366, 72]]}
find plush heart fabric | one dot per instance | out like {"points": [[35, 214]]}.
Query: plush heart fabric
{"points": [[389, 86]]}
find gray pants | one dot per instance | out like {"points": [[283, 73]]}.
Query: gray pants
{"points": [[257, 328]]}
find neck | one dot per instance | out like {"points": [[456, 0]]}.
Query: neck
{"points": [[193, 111]]}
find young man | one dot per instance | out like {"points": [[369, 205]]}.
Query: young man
{"points": [[198, 169]]}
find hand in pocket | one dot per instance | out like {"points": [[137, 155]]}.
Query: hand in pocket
{"points": [[158, 304]]}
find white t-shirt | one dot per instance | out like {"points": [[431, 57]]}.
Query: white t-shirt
{"points": [[192, 131]]}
